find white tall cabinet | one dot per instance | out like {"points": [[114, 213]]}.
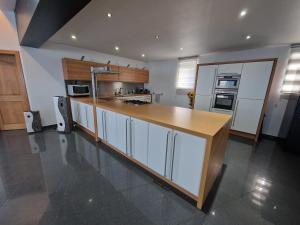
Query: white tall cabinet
{"points": [[204, 88], [250, 100]]}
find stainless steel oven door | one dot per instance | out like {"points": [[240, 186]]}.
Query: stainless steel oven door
{"points": [[224, 100]]}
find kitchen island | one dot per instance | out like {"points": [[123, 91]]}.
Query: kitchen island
{"points": [[183, 147]]}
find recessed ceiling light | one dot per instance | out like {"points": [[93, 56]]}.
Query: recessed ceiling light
{"points": [[157, 37], [248, 37], [73, 37], [181, 49], [109, 15], [243, 13], [143, 55], [117, 48]]}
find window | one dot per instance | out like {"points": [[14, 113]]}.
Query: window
{"points": [[291, 84], [186, 74]]}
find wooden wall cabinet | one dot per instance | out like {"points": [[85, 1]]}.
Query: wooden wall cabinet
{"points": [[80, 70], [76, 69]]}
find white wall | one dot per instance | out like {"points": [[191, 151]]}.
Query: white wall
{"points": [[163, 79], [43, 69]]}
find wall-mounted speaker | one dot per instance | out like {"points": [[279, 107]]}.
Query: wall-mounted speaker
{"points": [[63, 114], [33, 121]]}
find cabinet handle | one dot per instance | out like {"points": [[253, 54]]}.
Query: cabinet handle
{"points": [[130, 129], [174, 143], [235, 111], [167, 145], [127, 136]]}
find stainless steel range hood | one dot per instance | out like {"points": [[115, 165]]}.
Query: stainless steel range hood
{"points": [[98, 71]]}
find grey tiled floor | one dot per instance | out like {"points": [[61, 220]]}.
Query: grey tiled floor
{"points": [[56, 179]]}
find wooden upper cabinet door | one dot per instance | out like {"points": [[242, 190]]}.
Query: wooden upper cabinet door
{"points": [[133, 75], [77, 69], [13, 95], [109, 77]]}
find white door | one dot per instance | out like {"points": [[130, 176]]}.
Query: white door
{"points": [[123, 133], [187, 161], [159, 146], [255, 79], [247, 115], [205, 80], [110, 127], [90, 118], [100, 123], [235, 68], [74, 110], [139, 140], [203, 102]]}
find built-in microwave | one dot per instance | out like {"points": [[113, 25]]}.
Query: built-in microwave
{"points": [[224, 100], [227, 81], [78, 90]]}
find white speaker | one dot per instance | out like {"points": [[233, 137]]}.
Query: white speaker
{"points": [[33, 121], [63, 113]]}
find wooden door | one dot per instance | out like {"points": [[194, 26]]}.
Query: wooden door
{"points": [[90, 118], [110, 127], [187, 162], [159, 146], [13, 95], [100, 123]]}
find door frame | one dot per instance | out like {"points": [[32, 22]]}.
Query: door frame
{"points": [[23, 87]]}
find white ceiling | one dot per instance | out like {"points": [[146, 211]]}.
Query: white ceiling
{"points": [[199, 26], [7, 5]]}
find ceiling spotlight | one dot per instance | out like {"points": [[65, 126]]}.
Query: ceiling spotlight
{"points": [[243, 13], [117, 48], [181, 49], [143, 55], [109, 15], [248, 37], [73, 37], [157, 37]]}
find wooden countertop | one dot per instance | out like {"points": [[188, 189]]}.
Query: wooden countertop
{"points": [[200, 123]]}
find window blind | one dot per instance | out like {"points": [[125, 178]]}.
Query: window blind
{"points": [[291, 84], [186, 73]]}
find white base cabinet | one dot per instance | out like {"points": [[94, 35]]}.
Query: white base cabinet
{"points": [[139, 140], [247, 115], [123, 131], [159, 148], [187, 161], [100, 123], [83, 114]]}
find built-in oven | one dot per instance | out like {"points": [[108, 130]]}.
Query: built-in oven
{"points": [[227, 81], [224, 100], [78, 90]]}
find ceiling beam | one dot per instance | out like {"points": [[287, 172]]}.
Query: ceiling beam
{"points": [[38, 20]]}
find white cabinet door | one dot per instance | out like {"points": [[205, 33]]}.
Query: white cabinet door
{"points": [[110, 127], [123, 132], [139, 140], [255, 79], [247, 115], [90, 118], [235, 68], [74, 110], [203, 102], [187, 162], [82, 115], [206, 78], [159, 145], [100, 123]]}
